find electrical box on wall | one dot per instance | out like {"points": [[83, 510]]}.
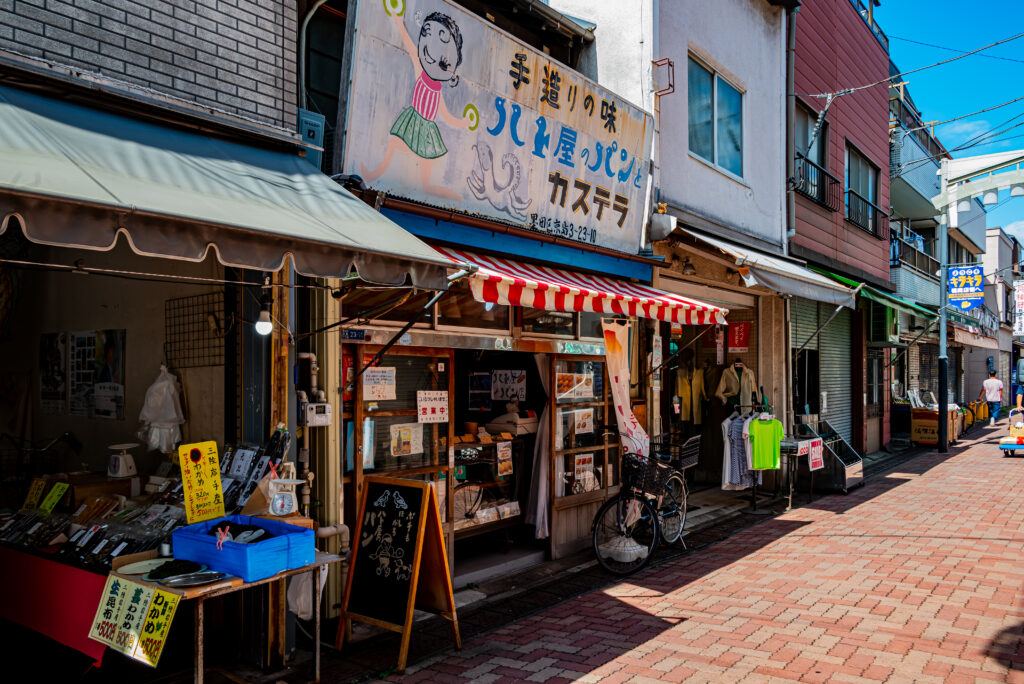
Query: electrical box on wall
{"points": [[316, 415]]}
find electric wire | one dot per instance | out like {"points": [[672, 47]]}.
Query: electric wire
{"points": [[949, 49], [964, 116]]}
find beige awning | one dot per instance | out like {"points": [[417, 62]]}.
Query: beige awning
{"points": [[80, 177], [970, 339]]}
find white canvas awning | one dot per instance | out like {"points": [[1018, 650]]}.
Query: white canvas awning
{"points": [[780, 274], [75, 176]]}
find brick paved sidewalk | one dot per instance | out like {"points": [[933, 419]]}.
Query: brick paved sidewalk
{"points": [[918, 576]]}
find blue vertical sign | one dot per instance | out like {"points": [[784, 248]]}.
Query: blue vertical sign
{"points": [[966, 287]]}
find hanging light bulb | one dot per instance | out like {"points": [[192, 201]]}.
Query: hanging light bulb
{"points": [[264, 324]]}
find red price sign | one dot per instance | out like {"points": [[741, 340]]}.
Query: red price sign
{"points": [[816, 459]]}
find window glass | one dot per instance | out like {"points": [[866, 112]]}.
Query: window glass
{"points": [[542, 322], [458, 307], [699, 84], [387, 304], [805, 121], [730, 128]]}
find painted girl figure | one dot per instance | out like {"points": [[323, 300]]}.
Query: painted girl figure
{"points": [[435, 60]]}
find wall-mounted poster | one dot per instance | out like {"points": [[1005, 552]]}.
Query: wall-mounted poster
{"points": [[508, 385], [108, 379], [82, 364], [459, 114], [406, 439], [504, 458], [432, 406], [379, 383], [53, 372], [584, 421]]}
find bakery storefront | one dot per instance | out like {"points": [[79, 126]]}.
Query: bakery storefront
{"points": [[499, 395]]}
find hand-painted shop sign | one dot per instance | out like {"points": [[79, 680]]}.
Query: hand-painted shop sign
{"points": [[966, 287], [447, 109]]}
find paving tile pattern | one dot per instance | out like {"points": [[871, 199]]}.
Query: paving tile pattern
{"points": [[918, 576]]}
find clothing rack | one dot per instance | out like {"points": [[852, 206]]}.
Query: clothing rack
{"points": [[757, 407]]}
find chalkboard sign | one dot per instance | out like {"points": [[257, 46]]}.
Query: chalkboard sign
{"points": [[398, 560]]}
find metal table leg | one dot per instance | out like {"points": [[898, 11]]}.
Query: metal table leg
{"points": [[198, 646], [315, 576]]}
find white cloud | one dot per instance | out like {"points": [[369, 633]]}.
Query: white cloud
{"points": [[958, 132], [1016, 229]]}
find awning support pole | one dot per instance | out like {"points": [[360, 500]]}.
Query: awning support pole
{"points": [[827, 321], [912, 343], [405, 328]]}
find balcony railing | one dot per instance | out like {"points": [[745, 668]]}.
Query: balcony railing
{"points": [[817, 184], [869, 20], [905, 254], [866, 216]]}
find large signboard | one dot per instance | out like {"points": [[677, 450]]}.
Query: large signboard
{"points": [[966, 287], [448, 110], [1018, 308]]}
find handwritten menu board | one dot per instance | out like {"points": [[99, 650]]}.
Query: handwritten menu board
{"points": [[399, 560]]}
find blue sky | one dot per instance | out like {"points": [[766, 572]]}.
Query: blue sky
{"points": [[968, 84]]}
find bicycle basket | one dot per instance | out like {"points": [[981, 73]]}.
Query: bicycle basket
{"points": [[656, 474], [689, 454], [633, 468]]}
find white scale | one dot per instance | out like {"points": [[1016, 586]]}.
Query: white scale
{"points": [[283, 500], [121, 464]]}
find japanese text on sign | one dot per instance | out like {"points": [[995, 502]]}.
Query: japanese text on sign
{"points": [[484, 124], [432, 406], [200, 475], [55, 495], [379, 383], [134, 619], [1018, 308], [966, 287], [35, 491], [508, 385]]}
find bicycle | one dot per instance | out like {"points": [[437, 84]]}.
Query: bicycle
{"points": [[627, 528]]}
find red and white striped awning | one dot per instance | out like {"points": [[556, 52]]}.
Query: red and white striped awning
{"points": [[513, 283]]}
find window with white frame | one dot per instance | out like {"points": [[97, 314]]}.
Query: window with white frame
{"points": [[715, 118]]}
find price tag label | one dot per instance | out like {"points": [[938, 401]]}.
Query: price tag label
{"points": [[816, 458]]}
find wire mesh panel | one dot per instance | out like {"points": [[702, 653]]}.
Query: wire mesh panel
{"points": [[194, 330]]}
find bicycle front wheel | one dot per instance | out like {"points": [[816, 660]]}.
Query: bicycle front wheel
{"points": [[672, 510], [625, 534]]}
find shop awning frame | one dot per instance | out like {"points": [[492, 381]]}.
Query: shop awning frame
{"points": [[511, 283], [75, 176], [777, 273], [892, 301]]}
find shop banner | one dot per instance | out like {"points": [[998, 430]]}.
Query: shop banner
{"points": [[616, 345], [459, 114], [508, 385], [738, 336], [1018, 308], [966, 287], [816, 455], [200, 475]]}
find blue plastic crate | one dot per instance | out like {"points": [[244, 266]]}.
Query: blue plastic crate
{"points": [[291, 547]]}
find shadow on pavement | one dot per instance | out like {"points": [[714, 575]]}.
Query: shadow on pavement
{"points": [[1007, 648]]}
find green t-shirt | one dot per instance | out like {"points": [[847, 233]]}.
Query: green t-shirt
{"points": [[765, 444]]}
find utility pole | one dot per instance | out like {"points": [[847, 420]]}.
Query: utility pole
{"points": [[951, 222]]}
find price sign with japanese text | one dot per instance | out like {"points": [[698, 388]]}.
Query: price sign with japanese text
{"points": [[134, 619], [157, 625], [104, 625], [55, 495], [135, 599], [35, 492], [816, 457], [200, 475]]}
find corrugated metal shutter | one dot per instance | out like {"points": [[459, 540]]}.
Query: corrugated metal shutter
{"points": [[804, 321], [836, 373]]}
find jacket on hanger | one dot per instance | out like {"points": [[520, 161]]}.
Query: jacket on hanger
{"points": [[690, 390], [731, 384]]}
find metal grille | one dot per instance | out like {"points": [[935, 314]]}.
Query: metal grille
{"points": [[194, 329]]}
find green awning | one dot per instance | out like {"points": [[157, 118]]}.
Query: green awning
{"points": [[884, 298], [75, 176]]}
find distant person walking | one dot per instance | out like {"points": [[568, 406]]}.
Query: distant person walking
{"points": [[992, 390]]}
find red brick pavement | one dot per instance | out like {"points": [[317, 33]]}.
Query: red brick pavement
{"points": [[917, 576]]}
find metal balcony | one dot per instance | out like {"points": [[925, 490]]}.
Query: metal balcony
{"points": [[904, 254], [817, 184], [867, 216]]}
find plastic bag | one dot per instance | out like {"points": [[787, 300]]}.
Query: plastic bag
{"points": [[161, 414], [300, 596]]}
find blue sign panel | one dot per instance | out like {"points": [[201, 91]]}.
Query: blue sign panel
{"points": [[966, 287]]}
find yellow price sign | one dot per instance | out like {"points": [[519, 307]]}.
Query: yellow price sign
{"points": [[200, 475], [157, 625], [55, 495], [35, 492]]}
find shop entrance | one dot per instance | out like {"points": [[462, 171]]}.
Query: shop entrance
{"points": [[498, 403]]}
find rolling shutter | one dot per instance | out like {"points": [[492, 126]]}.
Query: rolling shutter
{"points": [[804, 321], [836, 373]]}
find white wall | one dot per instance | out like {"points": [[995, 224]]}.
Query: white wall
{"points": [[745, 41], [620, 56], [51, 301]]}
